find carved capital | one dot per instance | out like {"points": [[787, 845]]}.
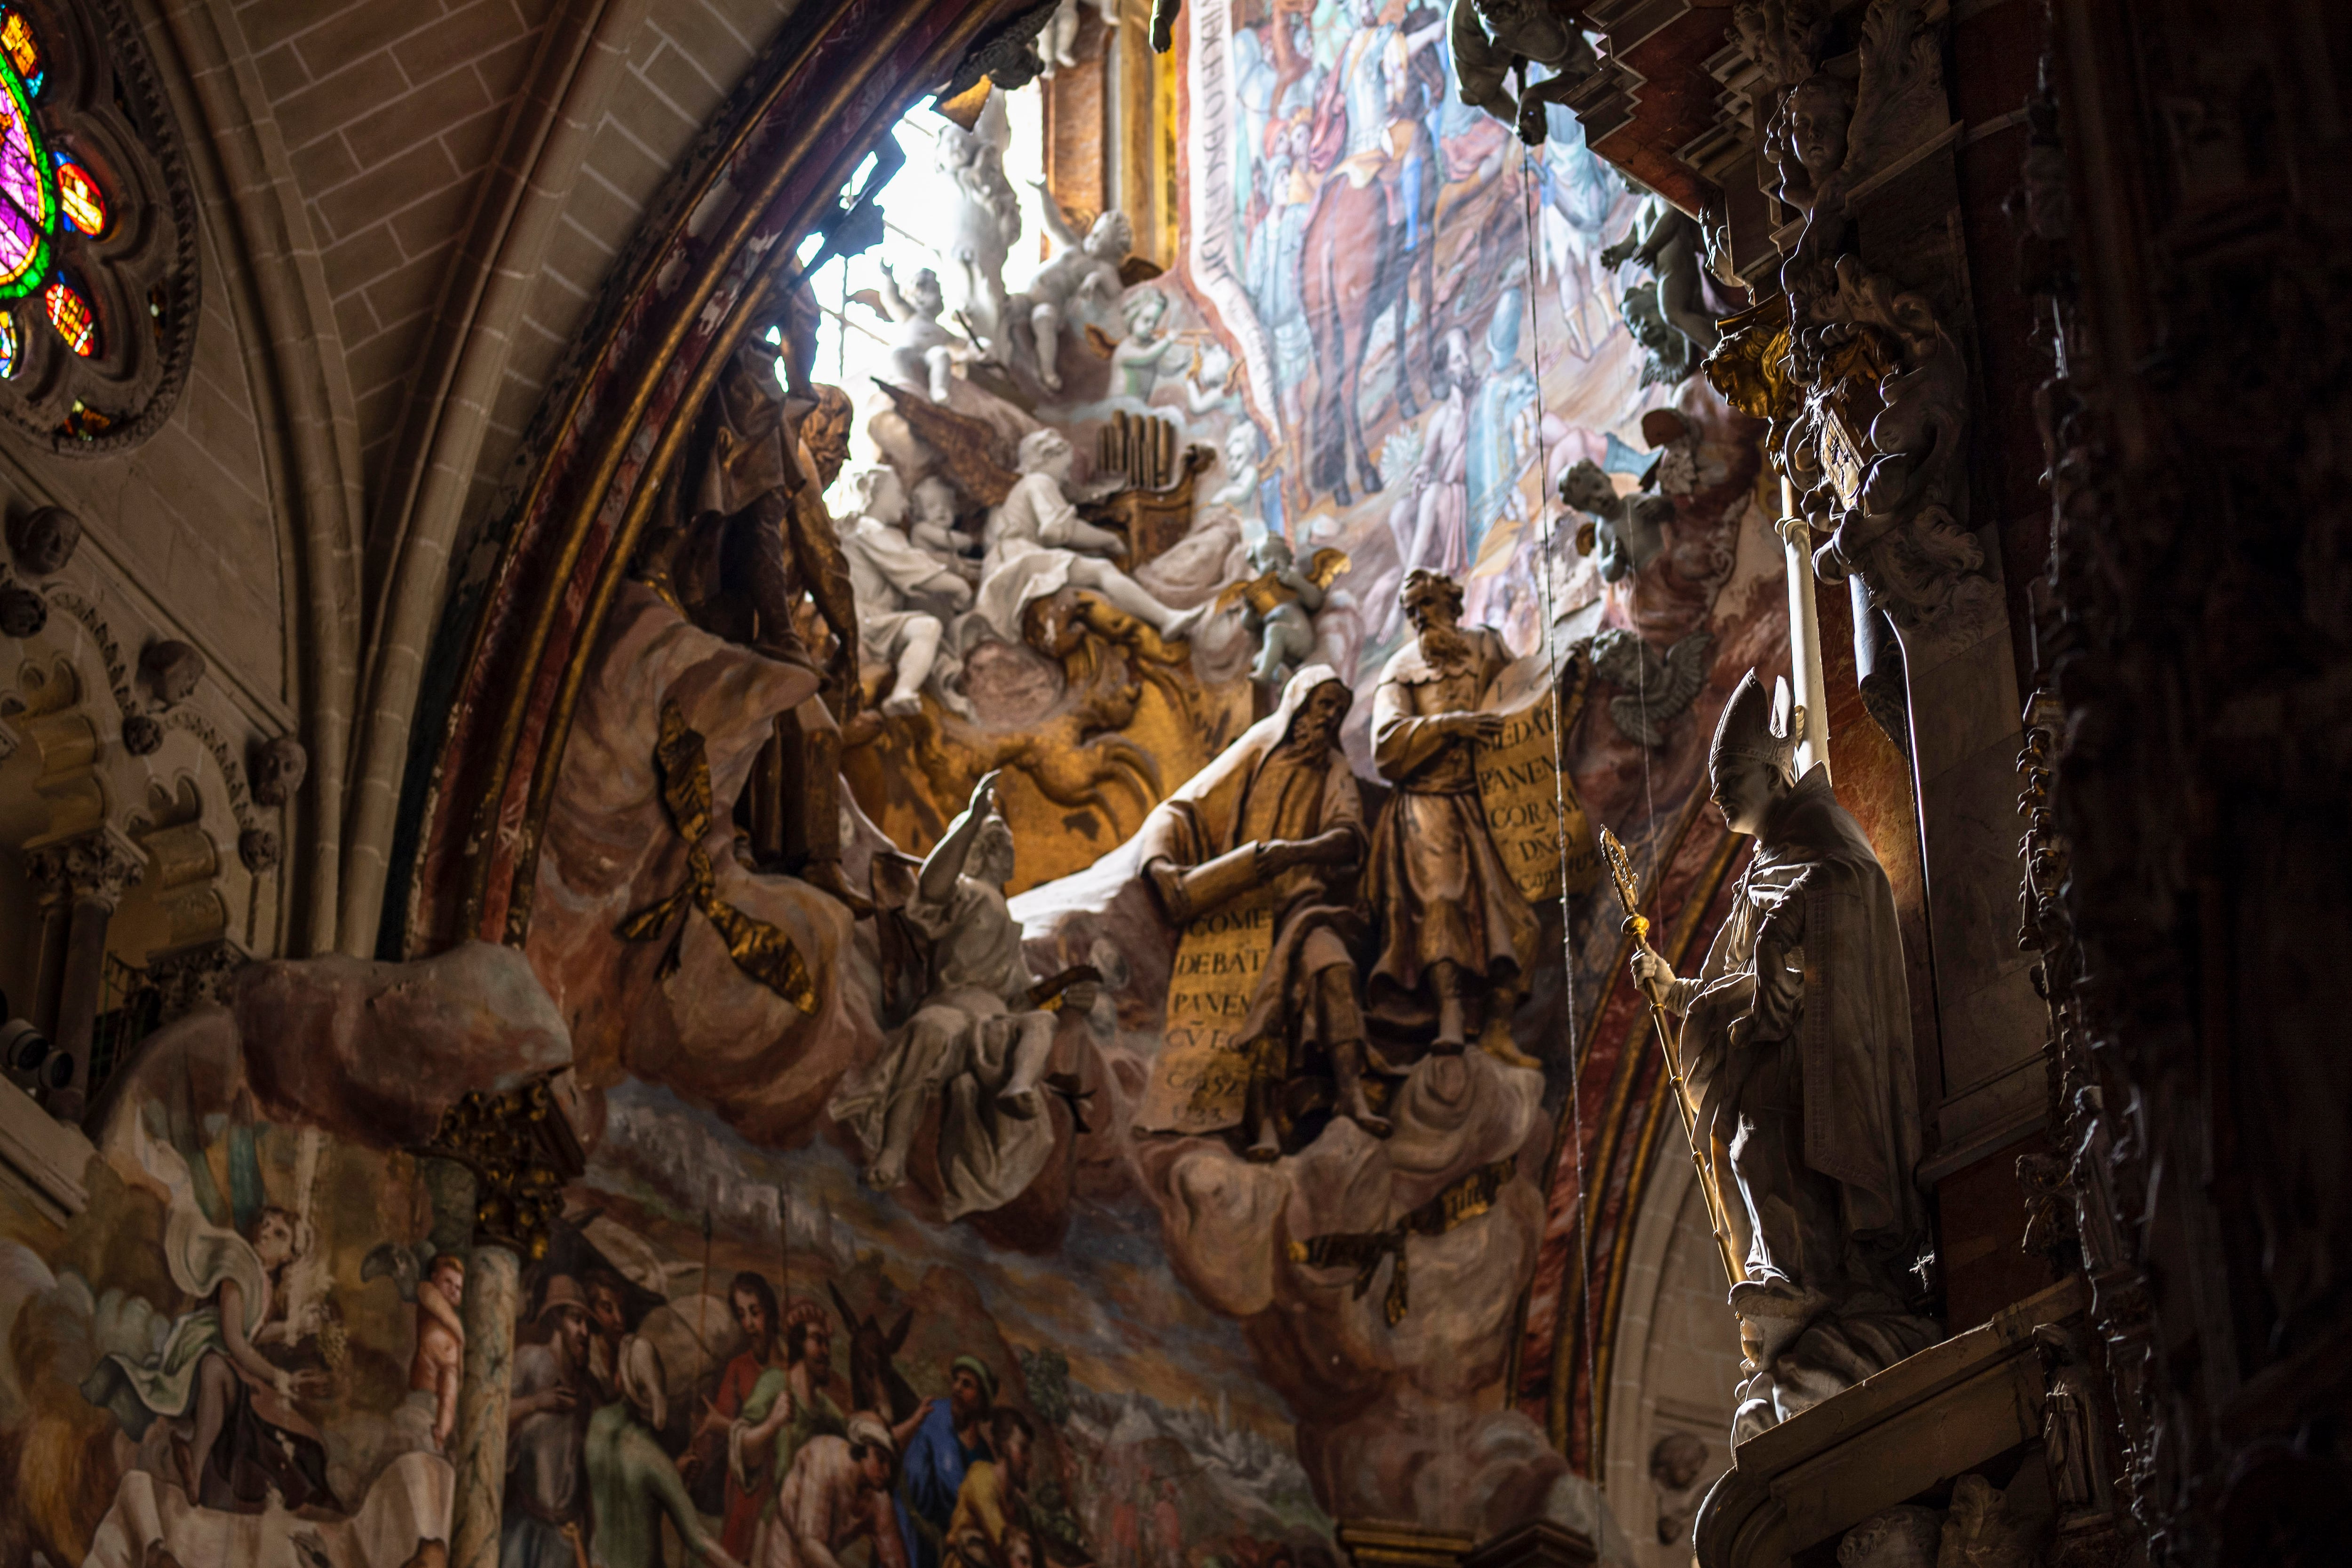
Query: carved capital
{"points": [[522, 1147], [96, 867], [189, 977]]}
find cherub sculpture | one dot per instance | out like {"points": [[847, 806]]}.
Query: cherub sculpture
{"points": [[1493, 37], [931, 524], [1059, 44], [985, 222], [1825, 134], [1081, 274], [1651, 687], [1626, 532], [1279, 604], [926, 353], [1669, 247]]}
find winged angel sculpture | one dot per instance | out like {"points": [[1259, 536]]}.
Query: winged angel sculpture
{"points": [[1832, 126]]}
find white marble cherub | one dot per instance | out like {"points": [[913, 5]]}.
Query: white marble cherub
{"points": [[1082, 273]]}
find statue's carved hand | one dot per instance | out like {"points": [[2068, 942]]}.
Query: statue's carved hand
{"points": [[1473, 726], [1653, 974]]}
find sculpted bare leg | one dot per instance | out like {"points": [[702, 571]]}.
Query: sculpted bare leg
{"points": [[934, 1046], [915, 662], [1045, 322]]}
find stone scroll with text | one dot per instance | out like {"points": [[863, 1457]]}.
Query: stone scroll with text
{"points": [[1524, 792], [1201, 1081]]}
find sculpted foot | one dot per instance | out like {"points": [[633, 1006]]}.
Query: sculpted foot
{"points": [[903, 704], [1268, 1147], [1358, 1110], [1452, 1034], [1496, 1042]]}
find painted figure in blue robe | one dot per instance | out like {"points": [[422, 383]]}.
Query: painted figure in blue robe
{"points": [[952, 1439], [1503, 435]]}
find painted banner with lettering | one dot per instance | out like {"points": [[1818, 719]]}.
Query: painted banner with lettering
{"points": [[1529, 800], [1201, 1081], [1215, 243]]}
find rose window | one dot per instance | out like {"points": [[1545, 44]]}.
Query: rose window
{"points": [[98, 289]]}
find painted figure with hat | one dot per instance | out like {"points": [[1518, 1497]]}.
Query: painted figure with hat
{"points": [[631, 1481], [836, 1494], [788, 1407], [1796, 1046], [546, 1518], [953, 1437]]}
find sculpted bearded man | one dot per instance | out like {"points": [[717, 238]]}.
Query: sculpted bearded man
{"points": [[1796, 1043], [1277, 808], [748, 540], [1454, 924]]}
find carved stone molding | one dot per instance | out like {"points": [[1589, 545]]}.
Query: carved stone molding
{"points": [[522, 1147], [96, 867], [189, 977], [1868, 396], [1923, 1420]]}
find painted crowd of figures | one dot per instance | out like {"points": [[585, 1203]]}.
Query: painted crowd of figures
{"points": [[796, 1475]]}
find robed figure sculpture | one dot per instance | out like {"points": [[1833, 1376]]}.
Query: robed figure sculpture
{"points": [[1796, 1049], [1277, 819]]}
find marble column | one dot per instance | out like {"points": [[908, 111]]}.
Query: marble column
{"points": [[92, 871], [1811, 689], [479, 1447], [500, 1161]]}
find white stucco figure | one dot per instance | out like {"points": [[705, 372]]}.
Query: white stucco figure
{"points": [[893, 576], [1037, 545]]}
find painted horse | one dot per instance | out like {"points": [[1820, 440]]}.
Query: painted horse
{"points": [[1368, 241], [874, 1381]]}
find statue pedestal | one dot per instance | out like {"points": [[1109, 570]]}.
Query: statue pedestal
{"points": [[1888, 1439], [1385, 1544]]}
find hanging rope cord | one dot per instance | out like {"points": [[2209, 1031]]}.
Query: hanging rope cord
{"points": [[1547, 534]]}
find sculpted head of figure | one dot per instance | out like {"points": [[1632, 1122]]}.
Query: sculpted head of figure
{"points": [[923, 291], [1430, 599], [1112, 238], [1676, 1460], [934, 502], [1271, 552], [1047, 452], [1816, 113], [1586, 488], [991, 851], [1241, 447], [1145, 309], [44, 540], [825, 431], [1315, 719], [880, 495], [1751, 763]]}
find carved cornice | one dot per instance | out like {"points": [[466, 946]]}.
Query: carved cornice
{"points": [[521, 1148]]}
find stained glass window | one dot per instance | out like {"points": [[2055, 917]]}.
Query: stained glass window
{"points": [[28, 190], [72, 315], [77, 194], [7, 345], [16, 43]]}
